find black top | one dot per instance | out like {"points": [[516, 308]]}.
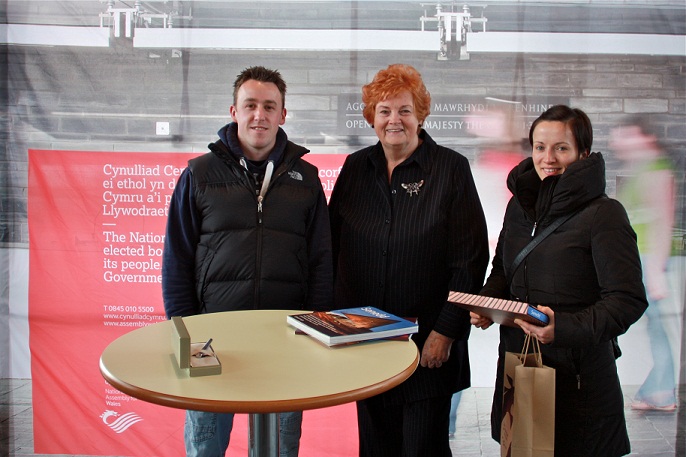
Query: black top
{"points": [[589, 272], [225, 251], [401, 246]]}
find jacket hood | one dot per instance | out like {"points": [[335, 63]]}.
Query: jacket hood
{"points": [[229, 147], [582, 181]]}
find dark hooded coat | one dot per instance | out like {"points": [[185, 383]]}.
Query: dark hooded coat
{"points": [[589, 272]]}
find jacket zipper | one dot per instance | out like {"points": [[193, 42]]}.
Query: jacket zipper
{"points": [[260, 198], [266, 181], [258, 256]]}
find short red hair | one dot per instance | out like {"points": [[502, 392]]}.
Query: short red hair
{"points": [[392, 81]]}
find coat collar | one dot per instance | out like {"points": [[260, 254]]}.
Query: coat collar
{"points": [[421, 156], [582, 182]]}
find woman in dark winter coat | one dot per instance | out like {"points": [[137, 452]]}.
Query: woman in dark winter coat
{"points": [[586, 276]]}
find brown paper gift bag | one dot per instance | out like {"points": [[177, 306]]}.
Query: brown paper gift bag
{"points": [[528, 424]]}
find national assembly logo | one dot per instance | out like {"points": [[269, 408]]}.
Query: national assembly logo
{"points": [[119, 423]]}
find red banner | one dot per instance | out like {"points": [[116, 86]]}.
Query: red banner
{"points": [[96, 232]]}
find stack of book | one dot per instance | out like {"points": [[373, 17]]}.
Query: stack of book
{"points": [[352, 325]]}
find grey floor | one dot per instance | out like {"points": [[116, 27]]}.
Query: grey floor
{"points": [[652, 433]]}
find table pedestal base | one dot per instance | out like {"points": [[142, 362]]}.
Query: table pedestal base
{"points": [[263, 435]]}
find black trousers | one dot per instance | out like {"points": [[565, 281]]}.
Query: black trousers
{"points": [[414, 429]]}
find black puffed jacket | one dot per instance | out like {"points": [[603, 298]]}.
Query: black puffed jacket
{"points": [[589, 272], [224, 253]]}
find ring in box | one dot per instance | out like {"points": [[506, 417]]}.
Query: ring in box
{"points": [[192, 356]]}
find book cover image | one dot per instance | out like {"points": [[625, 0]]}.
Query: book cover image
{"points": [[359, 320], [351, 324]]}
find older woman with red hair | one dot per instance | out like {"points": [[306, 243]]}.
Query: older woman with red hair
{"points": [[408, 227]]}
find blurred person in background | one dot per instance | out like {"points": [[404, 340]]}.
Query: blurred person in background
{"points": [[501, 134], [647, 191], [502, 145]]}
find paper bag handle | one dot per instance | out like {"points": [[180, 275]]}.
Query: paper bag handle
{"points": [[531, 340]]}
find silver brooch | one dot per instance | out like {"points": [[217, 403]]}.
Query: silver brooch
{"points": [[413, 187]]}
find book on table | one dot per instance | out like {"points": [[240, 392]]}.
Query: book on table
{"points": [[499, 310], [350, 325]]}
